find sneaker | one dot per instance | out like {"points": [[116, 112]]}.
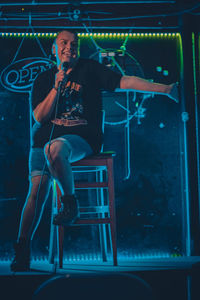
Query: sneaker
{"points": [[69, 211], [21, 261]]}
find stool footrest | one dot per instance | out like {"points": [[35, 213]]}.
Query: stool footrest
{"points": [[94, 209], [90, 185], [92, 221]]}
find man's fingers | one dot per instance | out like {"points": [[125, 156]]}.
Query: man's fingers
{"points": [[60, 76], [174, 93]]}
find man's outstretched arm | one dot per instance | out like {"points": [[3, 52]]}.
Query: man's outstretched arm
{"points": [[143, 85]]}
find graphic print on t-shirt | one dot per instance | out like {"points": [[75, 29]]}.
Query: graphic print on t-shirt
{"points": [[70, 110]]}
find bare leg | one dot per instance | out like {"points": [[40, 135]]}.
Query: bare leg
{"points": [[59, 157], [60, 167], [30, 218], [33, 207]]}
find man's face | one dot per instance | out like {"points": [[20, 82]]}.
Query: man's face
{"points": [[66, 47]]}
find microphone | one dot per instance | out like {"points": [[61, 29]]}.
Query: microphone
{"points": [[65, 66]]}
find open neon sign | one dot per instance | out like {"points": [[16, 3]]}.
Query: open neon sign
{"points": [[19, 76]]}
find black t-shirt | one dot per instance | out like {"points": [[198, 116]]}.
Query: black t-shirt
{"points": [[79, 106]]}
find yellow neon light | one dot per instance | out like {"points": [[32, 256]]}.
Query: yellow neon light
{"points": [[98, 34]]}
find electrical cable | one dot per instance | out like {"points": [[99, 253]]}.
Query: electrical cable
{"points": [[50, 138], [45, 163], [189, 10]]}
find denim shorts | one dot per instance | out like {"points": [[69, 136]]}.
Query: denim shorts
{"points": [[78, 149]]}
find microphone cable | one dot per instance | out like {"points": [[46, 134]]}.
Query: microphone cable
{"points": [[65, 67]]}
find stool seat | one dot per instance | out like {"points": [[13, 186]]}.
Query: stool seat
{"points": [[101, 213]]}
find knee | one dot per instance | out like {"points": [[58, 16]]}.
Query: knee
{"points": [[34, 200], [38, 190], [56, 151], [31, 200]]}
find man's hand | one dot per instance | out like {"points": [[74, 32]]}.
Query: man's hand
{"points": [[59, 78], [174, 92]]}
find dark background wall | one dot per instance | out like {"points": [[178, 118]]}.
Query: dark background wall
{"points": [[149, 199]]}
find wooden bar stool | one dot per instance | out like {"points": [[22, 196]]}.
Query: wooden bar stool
{"points": [[102, 213]]}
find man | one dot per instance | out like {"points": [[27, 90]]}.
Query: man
{"points": [[66, 103]]}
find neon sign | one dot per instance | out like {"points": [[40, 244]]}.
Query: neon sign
{"points": [[19, 76]]}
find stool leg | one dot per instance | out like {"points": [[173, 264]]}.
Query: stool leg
{"points": [[53, 228], [111, 194], [60, 245], [60, 230], [102, 227]]}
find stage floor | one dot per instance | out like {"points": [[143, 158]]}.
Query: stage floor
{"points": [[169, 278], [44, 267]]}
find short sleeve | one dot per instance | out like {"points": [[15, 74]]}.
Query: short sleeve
{"points": [[107, 79], [41, 87]]}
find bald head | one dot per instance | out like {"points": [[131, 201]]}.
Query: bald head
{"points": [[65, 47], [69, 31]]}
